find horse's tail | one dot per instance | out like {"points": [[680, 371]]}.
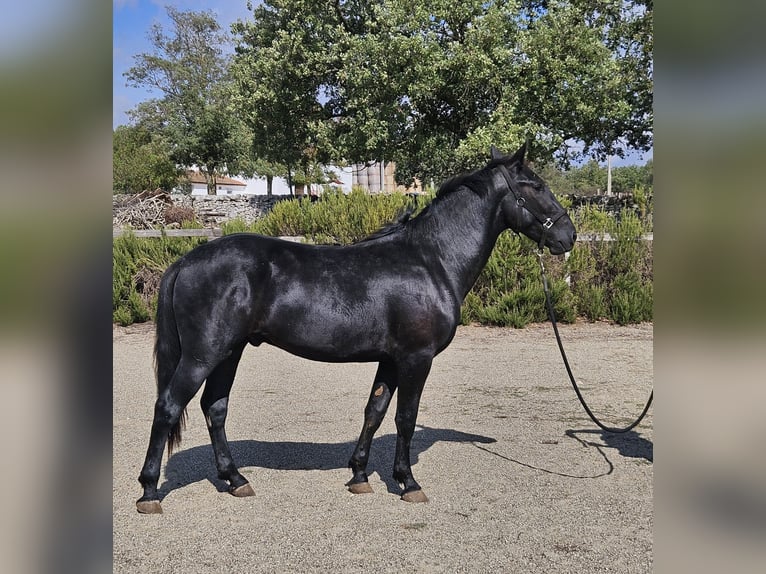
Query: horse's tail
{"points": [[167, 348]]}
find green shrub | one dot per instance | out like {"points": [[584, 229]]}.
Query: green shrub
{"points": [[337, 218], [285, 218], [471, 308], [582, 265], [564, 302], [509, 291], [122, 316], [643, 199], [137, 267], [138, 307], [593, 219], [599, 270], [236, 225], [607, 280], [523, 306], [591, 302], [631, 299]]}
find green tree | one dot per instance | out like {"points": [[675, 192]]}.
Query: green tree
{"points": [[585, 72], [627, 178], [190, 70], [269, 170], [141, 160], [432, 84], [280, 66], [590, 178]]}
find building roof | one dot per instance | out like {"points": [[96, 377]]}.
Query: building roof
{"points": [[197, 177]]}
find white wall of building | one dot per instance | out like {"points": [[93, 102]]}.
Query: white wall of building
{"points": [[257, 186], [221, 189]]}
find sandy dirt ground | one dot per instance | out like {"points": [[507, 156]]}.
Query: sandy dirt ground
{"points": [[519, 479]]}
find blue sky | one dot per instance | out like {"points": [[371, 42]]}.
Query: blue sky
{"points": [[131, 22]]}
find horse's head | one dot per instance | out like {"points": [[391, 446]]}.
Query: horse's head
{"points": [[529, 207]]}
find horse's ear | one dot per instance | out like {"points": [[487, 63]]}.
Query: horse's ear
{"points": [[495, 153], [518, 157]]}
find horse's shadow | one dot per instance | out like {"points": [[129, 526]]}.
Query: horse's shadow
{"points": [[197, 463]]}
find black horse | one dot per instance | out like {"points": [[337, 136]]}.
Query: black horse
{"points": [[393, 298]]}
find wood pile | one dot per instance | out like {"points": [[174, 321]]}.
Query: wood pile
{"points": [[144, 210]]}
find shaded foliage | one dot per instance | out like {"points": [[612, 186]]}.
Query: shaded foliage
{"points": [[430, 85], [141, 161]]}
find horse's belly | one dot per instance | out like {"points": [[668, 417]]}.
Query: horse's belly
{"points": [[324, 335], [327, 349]]}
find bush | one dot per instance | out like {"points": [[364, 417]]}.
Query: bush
{"points": [[591, 302], [509, 291], [607, 280], [612, 280], [336, 218], [137, 267], [631, 299]]}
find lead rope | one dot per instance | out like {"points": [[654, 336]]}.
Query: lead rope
{"points": [[552, 316]]}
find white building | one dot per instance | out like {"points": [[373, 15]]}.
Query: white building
{"points": [[257, 186], [372, 177], [224, 185]]}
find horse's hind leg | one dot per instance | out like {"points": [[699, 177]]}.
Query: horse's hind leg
{"points": [[215, 404], [380, 396], [412, 379], [186, 381]]}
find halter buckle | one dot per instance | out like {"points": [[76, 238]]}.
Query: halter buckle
{"points": [[548, 223]]}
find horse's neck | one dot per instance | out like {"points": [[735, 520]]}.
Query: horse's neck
{"points": [[464, 231]]}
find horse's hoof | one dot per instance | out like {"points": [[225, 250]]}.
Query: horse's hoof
{"points": [[242, 491], [415, 496], [359, 488], [149, 507]]}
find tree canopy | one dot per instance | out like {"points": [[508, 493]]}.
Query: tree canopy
{"points": [[427, 84], [189, 69], [432, 84], [590, 178], [141, 160]]}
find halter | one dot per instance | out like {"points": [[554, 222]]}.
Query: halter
{"points": [[521, 201]]}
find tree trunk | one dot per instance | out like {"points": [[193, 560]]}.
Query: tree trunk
{"points": [[269, 182], [211, 182], [290, 180]]}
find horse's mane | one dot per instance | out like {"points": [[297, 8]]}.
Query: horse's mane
{"points": [[399, 223], [476, 181]]}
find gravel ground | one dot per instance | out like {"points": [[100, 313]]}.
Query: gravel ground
{"points": [[518, 479]]}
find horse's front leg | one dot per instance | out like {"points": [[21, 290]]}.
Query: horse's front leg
{"points": [[380, 397], [412, 379]]}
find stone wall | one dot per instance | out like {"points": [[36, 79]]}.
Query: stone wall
{"points": [[215, 209], [210, 211]]}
